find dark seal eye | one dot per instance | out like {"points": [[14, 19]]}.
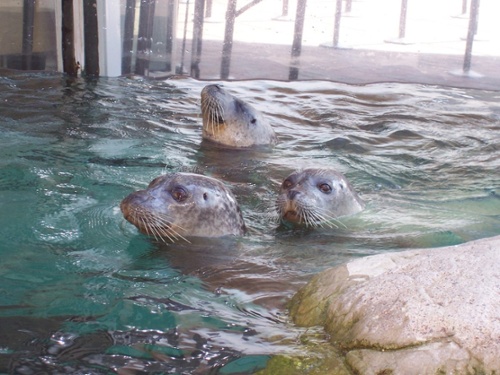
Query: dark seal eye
{"points": [[286, 184], [179, 194], [325, 188], [253, 121], [205, 196]]}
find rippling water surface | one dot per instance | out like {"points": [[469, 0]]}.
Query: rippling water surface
{"points": [[82, 291]]}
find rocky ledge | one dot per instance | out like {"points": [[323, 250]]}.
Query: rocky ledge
{"points": [[427, 311]]}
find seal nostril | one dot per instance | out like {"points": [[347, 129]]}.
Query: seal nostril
{"points": [[292, 194]]}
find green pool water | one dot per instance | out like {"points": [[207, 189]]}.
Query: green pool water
{"points": [[81, 291]]}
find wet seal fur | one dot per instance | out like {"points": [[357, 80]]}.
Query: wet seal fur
{"points": [[231, 122], [316, 197], [180, 205]]}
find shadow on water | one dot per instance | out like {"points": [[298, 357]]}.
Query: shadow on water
{"points": [[83, 292]]}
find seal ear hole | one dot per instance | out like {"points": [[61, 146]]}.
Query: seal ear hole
{"points": [[286, 184], [325, 188]]}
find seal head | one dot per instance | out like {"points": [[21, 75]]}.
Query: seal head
{"points": [[180, 205], [316, 197], [231, 122]]}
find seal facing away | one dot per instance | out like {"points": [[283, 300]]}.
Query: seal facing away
{"points": [[316, 197], [231, 122], [180, 205]]}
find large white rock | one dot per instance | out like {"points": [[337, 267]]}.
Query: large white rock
{"points": [[413, 312]]}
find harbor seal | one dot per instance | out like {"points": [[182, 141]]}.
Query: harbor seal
{"points": [[315, 197], [231, 122], [179, 205]]}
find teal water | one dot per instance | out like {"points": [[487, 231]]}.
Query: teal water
{"points": [[82, 292]]}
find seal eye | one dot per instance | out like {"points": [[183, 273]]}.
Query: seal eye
{"points": [[325, 188], [253, 121], [179, 194], [205, 196], [286, 184]]}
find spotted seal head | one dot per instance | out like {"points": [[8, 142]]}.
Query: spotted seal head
{"points": [[231, 122], [180, 205], [316, 197]]}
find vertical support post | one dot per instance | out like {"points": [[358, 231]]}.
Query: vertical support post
{"points": [[184, 36], [58, 28], [402, 19], [401, 39], [208, 12], [91, 39], [297, 39], [78, 36], [28, 25], [348, 6], [474, 10], [68, 46], [336, 28], [171, 26], [284, 12], [109, 36], [147, 11], [128, 37], [227, 47], [199, 9]]}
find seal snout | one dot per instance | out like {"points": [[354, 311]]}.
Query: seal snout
{"points": [[291, 208], [136, 198], [211, 90], [134, 204]]}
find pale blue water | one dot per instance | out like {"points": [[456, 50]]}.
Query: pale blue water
{"points": [[82, 292]]}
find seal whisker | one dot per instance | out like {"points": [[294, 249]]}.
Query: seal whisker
{"points": [[157, 234], [311, 219], [214, 117], [165, 227], [331, 219], [327, 219], [215, 112], [152, 227], [149, 229], [149, 221], [317, 217]]}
